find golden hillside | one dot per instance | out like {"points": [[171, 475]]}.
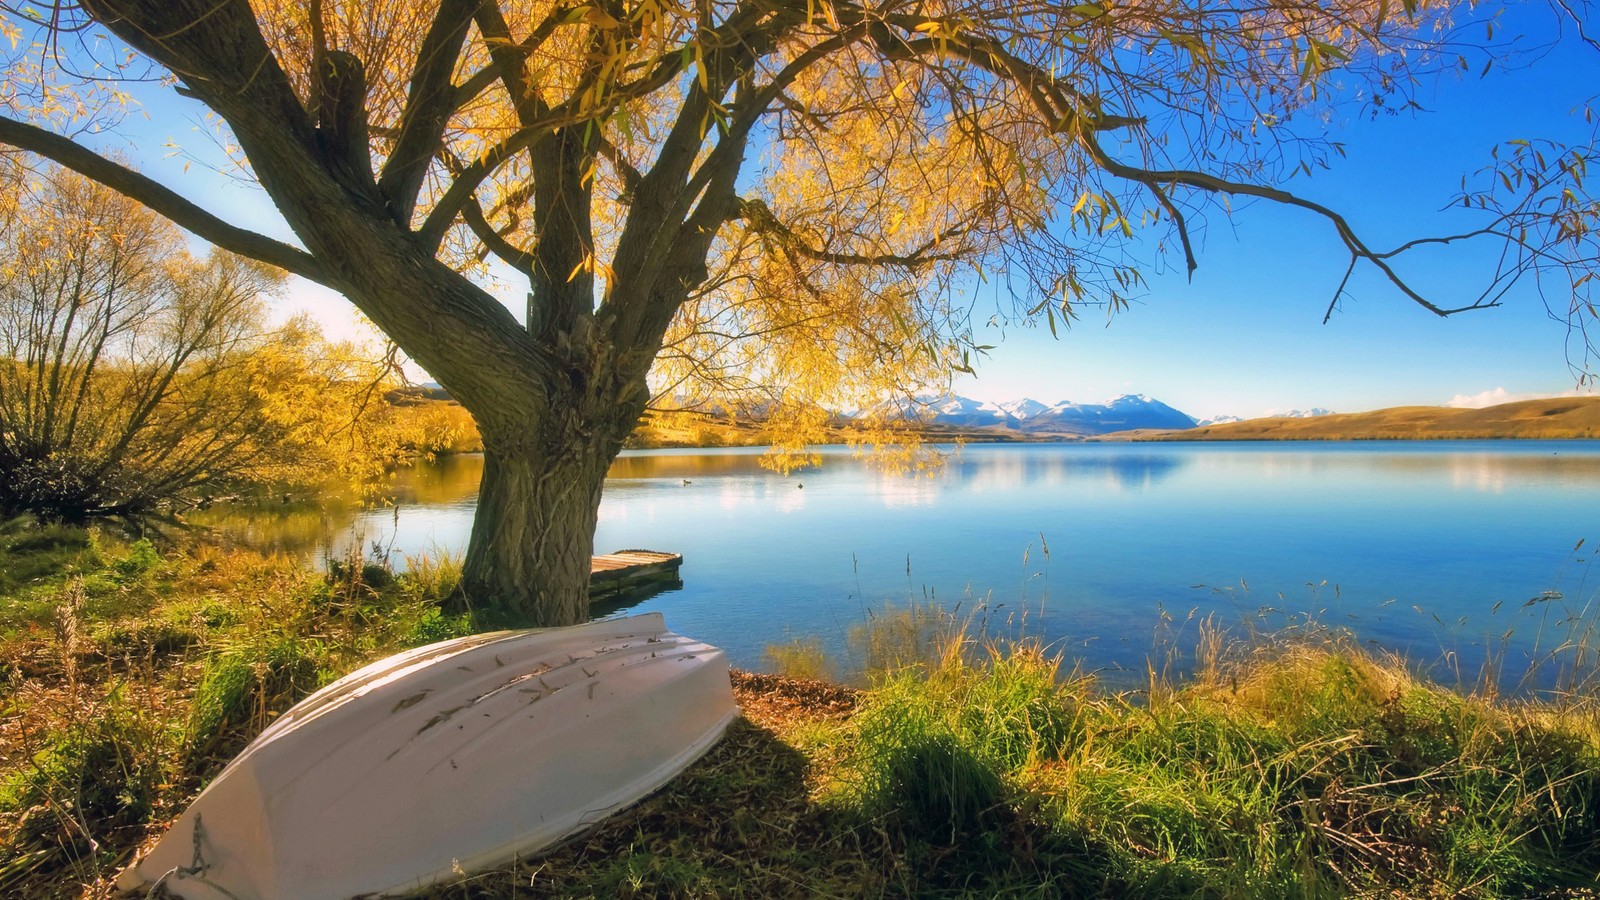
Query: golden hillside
{"points": [[1551, 419]]}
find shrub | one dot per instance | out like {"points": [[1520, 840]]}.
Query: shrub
{"points": [[435, 626], [142, 557], [243, 686]]}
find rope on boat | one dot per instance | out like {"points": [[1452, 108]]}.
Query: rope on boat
{"points": [[195, 870]]}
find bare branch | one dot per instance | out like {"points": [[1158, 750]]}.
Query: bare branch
{"points": [[509, 253], [163, 200], [1216, 185]]}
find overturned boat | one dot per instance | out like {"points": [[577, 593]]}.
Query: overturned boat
{"points": [[447, 759]]}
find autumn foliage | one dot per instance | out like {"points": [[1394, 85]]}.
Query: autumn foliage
{"points": [[135, 375]]}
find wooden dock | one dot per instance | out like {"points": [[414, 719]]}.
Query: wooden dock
{"points": [[630, 571]]}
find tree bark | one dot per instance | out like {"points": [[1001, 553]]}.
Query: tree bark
{"points": [[532, 542], [533, 536]]}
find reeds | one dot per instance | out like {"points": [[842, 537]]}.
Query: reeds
{"points": [[1301, 767]]}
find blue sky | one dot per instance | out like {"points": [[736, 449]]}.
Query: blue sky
{"points": [[1245, 337]]}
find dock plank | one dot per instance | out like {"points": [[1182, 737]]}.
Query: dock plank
{"points": [[629, 570]]}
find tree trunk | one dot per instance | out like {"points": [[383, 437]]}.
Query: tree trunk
{"points": [[528, 561]]}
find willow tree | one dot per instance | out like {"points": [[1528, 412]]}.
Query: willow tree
{"points": [[772, 192]]}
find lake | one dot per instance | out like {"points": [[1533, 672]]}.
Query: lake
{"points": [[1112, 552]]}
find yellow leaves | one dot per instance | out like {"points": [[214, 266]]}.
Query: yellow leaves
{"points": [[699, 52], [896, 221], [949, 27], [592, 265], [1193, 44], [599, 18], [828, 14]]}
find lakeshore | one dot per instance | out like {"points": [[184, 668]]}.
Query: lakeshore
{"points": [[1565, 418], [1294, 763], [1570, 418]]}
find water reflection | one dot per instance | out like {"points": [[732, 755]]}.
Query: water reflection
{"points": [[670, 464], [1112, 551], [299, 529], [448, 481], [1125, 467]]}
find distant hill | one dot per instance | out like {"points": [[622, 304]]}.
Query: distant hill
{"points": [[1552, 419]]}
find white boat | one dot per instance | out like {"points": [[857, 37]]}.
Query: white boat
{"points": [[447, 759]]}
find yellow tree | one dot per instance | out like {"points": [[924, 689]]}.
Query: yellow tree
{"points": [[116, 352], [749, 191], [133, 375]]}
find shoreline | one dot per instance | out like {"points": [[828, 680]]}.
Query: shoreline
{"points": [[969, 769]]}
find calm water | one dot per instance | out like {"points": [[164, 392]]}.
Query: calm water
{"points": [[1108, 550]]}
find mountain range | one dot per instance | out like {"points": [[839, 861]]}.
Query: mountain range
{"points": [[1028, 416], [1068, 418]]}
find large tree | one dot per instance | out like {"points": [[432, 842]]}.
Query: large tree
{"points": [[784, 192]]}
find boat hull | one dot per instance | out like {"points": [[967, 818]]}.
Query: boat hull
{"points": [[448, 759]]}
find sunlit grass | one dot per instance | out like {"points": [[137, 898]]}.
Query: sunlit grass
{"points": [[1298, 768]]}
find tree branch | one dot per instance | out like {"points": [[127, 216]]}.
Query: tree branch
{"points": [[1068, 112], [431, 100], [465, 184], [163, 200], [1216, 185], [480, 80], [513, 256], [762, 221]]}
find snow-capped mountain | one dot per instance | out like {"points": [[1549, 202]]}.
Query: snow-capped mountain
{"points": [[1066, 418], [1023, 409], [965, 412], [1303, 413], [1117, 414], [1219, 420]]}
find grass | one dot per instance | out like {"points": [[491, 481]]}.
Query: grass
{"points": [[1292, 766], [131, 672]]}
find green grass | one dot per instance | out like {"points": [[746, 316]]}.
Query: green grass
{"points": [[131, 671], [1295, 765]]}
